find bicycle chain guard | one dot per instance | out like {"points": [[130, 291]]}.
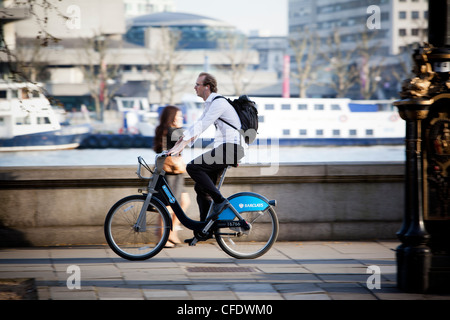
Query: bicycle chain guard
{"points": [[201, 236]]}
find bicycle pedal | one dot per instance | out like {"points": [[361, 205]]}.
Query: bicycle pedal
{"points": [[192, 242]]}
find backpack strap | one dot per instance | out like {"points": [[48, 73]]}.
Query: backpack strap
{"points": [[229, 124], [221, 118]]}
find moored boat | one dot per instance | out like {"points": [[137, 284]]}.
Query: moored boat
{"points": [[318, 122], [29, 122]]}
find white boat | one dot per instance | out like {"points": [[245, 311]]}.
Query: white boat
{"points": [[283, 121], [298, 121], [139, 117], [29, 122]]}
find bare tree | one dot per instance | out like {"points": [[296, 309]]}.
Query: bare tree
{"points": [[344, 71], [237, 52], [11, 59], [305, 50], [370, 66], [166, 64], [30, 59], [404, 66], [100, 74]]}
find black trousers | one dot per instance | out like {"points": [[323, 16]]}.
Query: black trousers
{"points": [[207, 168]]}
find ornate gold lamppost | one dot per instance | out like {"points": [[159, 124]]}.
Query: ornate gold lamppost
{"points": [[423, 258]]}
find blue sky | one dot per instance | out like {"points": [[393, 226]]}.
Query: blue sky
{"points": [[246, 15]]}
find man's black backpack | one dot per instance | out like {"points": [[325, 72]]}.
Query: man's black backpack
{"points": [[248, 114]]}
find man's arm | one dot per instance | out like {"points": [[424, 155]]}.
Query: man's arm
{"points": [[179, 146], [211, 114]]}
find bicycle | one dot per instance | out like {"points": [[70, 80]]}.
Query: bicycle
{"points": [[137, 227]]}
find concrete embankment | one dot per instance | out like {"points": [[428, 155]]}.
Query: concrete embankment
{"points": [[67, 205]]}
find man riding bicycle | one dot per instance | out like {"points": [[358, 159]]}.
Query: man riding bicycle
{"points": [[228, 146]]}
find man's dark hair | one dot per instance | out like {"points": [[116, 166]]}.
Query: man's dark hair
{"points": [[209, 81]]}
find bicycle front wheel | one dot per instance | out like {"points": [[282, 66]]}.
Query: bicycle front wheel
{"points": [[253, 243], [132, 241]]}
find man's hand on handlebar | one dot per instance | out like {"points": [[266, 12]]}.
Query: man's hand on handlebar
{"points": [[178, 147]]}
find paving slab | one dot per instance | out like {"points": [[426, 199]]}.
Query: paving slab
{"points": [[310, 270]]}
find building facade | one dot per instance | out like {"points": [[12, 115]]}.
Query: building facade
{"points": [[134, 8], [194, 31], [389, 27], [398, 23], [98, 36]]}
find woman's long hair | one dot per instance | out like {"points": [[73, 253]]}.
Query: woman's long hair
{"points": [[165, 122]]}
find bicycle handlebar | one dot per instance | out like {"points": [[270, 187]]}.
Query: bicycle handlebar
{"points": [[142, 163]]}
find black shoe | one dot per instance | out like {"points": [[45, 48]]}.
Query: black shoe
{"points": [[193, 241], [217, 209]]}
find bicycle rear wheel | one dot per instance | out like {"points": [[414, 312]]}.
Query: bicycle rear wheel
{"points": [[253, 243], [128, 240]]}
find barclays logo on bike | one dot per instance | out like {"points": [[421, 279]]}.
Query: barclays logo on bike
{"points": [[251, 205], [169, 195]]}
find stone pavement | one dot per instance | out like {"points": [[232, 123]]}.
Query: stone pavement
{"points": [[289, 271]]}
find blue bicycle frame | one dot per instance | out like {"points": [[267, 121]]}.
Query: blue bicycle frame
{"points": [[160, 190]]}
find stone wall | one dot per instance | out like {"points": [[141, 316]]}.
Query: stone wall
{"points": [[42, 206]]}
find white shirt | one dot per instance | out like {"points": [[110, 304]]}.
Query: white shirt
{"points": [[219, 108]]}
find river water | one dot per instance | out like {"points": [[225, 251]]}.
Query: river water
{"points": [[255, 155]]}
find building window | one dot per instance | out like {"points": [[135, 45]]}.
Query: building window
{"points": [[402, 32], [285, 107], [352, 132], [415, 32], [269, 107], [336, 133], [369, 132], [319, 132], [402, 15], [303, 132], [260, 118], [415, 15], [286, 132], [302, 107]]}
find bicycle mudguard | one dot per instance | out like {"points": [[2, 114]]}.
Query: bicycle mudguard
{"points": [[244, 202]]}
